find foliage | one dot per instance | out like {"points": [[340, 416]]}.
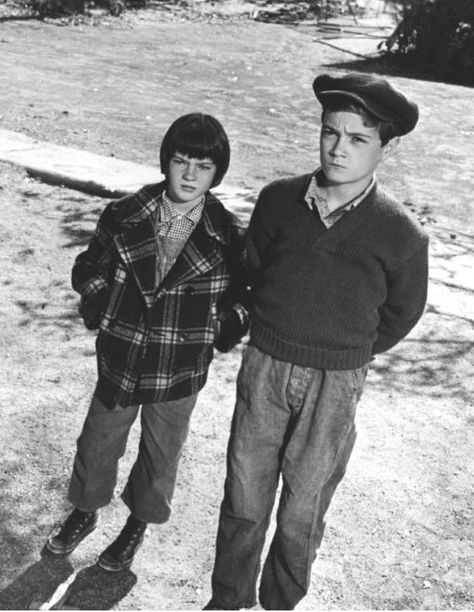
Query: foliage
{"points": [[55, 8], [286, 11], [266, 10], [437, 35], [61, 8]]}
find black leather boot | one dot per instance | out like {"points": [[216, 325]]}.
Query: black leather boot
{"points": [[119, 555], [76, 527]]}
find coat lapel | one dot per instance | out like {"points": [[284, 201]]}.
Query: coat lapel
{"points": [[137, 247], [136, 242]]}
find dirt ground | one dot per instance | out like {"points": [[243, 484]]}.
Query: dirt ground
{"points": [[399, 531]]}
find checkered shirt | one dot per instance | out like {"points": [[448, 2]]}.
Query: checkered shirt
{"points": [[173, 224]]}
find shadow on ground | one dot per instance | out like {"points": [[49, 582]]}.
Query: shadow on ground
{"points": [[388, 65], [95, 589], [428, 365], [78, 219], [385, 66], [91, 589], [36, 585]]}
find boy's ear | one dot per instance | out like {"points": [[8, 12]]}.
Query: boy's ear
{"points": [[390, 147]]}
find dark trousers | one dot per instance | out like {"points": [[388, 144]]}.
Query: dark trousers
{"points": [[150, 486], [298, 423]]}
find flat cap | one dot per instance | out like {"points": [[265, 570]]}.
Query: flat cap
{"points": [[374, 94]]}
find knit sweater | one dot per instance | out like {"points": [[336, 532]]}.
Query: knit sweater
{"points": [[331, 298]]}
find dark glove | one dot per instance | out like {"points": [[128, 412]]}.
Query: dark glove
{"points": [[230, 330], [92, 308]]}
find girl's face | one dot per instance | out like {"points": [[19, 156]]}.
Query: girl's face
{"points": [[189, 178]]}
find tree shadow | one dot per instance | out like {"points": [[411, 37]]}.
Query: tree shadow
{"points": [[78, 219], [63, 317], [429, 363], [435, 359], [389, 65]]}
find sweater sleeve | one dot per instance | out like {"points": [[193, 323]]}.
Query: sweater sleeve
{"points": [[259, 236], [406, 299]]}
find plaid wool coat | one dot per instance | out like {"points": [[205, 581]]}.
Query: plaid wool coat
{"points": [[155, 343]]}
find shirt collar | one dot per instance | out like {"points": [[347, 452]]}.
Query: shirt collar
{"points": [[168, 212], [315, 199]]}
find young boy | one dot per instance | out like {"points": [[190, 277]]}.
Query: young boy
{"points": [[162, 281], [338, 274]]}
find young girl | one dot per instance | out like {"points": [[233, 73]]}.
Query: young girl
{"points": [[162, 281]]}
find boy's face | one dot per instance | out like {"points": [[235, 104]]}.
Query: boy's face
{"points": [[350, 151], [189, 178]]}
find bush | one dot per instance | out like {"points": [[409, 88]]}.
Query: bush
{"points": [[437, 35], [67, 8], [56, 8], [299, 10]]}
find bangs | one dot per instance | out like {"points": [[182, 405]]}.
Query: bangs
{"points": [[194, 145]]}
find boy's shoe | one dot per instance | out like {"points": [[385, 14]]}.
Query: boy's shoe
{"points": [[119, 555], [70, 534]]}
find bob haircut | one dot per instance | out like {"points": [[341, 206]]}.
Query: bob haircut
{"points": [[199, 136], [386, 129]]}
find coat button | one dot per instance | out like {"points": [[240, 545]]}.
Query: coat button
{"points": [[189, 290], [183, 337]]}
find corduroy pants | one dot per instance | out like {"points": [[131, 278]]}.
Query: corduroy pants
{"points": [[295, 422], [149, 490]]}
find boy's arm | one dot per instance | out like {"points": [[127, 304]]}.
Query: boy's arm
{"points": [[233, 313], [234, 321], [91, 270], [259, 236], [406, 299]]}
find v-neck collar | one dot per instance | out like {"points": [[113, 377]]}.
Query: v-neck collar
{"points": [[330, 238]]}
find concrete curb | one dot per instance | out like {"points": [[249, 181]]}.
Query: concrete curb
{"points": [[88, 172]]}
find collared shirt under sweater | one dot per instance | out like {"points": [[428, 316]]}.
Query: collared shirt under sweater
{"points": [[317, 201]]}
